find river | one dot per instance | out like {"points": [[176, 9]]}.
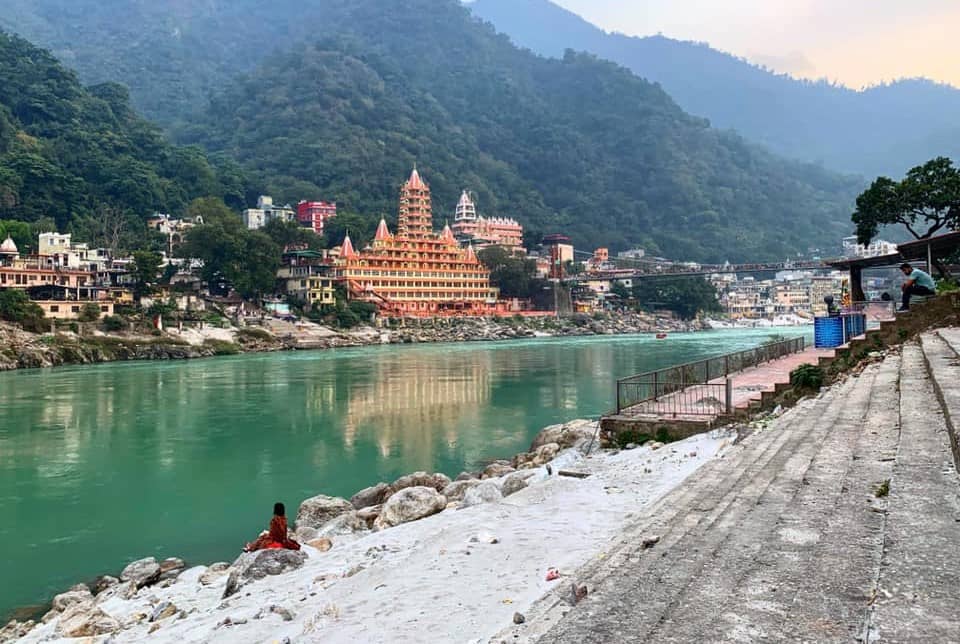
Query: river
{"points": [[100, 465]]}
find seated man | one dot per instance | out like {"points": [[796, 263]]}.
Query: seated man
{"points": [[918, 283], [277, 536]]}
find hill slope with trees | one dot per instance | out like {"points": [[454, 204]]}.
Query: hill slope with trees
{"points": [[77, 155], [577, 144], [882, 129]]}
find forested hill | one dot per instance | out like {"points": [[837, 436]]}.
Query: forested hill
{"points": [[881, 130], [69, 152], [576, 145]]}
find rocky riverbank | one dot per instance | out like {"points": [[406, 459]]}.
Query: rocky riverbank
{"points": [[20, 349], [453, 557]]}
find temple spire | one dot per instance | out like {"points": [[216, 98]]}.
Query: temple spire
{"points": [[383, 232], [347, 249]]}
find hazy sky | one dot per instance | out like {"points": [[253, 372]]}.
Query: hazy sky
{"points": [[856, 42]]}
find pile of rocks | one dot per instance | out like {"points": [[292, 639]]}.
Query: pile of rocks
{"points": [[320, 519]]}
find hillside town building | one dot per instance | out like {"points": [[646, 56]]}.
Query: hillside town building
{"points": [[314, 214], [265, 212], [471, 229], [417, 272], [64, 277], [175, 230]]}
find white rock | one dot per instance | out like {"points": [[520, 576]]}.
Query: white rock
{"points": [[486, 492], [77, 594], [410, 504], [318, 510], [348, 523], [456, 490], [86, 620], [142, 572]]}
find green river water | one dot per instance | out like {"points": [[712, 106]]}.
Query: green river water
{"points": [[100, 465]]}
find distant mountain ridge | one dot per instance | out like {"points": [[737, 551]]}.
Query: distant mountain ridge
{"points": [[882, 130]]}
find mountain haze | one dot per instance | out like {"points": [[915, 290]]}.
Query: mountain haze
{"points": [[883, 129], [348, 94]]}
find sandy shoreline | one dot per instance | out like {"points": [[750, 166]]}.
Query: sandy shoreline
{"points": [[456, 576]]}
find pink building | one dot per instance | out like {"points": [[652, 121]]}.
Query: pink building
{"points": [[313, 214]]}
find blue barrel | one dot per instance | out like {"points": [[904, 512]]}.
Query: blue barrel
{"points": [[828, 332]]}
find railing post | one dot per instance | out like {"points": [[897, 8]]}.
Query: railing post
{"points": [[729, 396], [726, 365], [618, 397], [654, 385]]}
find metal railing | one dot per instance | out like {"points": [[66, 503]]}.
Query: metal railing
{"points": [[687, 388]]}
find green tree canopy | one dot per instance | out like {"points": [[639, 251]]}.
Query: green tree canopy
{"points": [[926, 201], [246, 260], [513, 275], [146, 267], [685, 296]]}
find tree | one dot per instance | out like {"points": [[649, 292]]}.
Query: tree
{"points": [[146, 266], [247, 260], [89, 312], [15, 306], [287, 234], [109, 227], [928, 197], [513, 275], [685, 296]]}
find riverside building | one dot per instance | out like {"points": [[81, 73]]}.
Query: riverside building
{"points": [[472, 229], [417, 272]]}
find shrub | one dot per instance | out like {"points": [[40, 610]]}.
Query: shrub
{"points": [[90, 312], [807, 376], [114, 323], [222, 347], [947, 285]]}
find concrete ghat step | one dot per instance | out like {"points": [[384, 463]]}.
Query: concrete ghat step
{"points": [[919, 577], [635, 599], [941, 352], [690, 502], [837, 580], [770, 563]]}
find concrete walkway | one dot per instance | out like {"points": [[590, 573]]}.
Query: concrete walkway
{"points": [[838, 523]]}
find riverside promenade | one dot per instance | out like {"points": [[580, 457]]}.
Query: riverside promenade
{"points": [[838, 522]]}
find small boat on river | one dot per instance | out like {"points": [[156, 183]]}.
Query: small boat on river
{"points": [[661, 336]]}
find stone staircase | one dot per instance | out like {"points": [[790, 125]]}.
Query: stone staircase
{"points": [[838, 523]]}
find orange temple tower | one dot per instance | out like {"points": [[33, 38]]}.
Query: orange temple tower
{"points": [[417, 272]]}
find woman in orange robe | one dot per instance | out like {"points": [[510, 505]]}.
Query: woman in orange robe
{"points": [[276, 537]]}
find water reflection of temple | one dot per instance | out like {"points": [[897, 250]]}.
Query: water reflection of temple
{"points": [[417, 407]]}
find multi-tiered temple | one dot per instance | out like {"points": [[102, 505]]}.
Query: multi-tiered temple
{"points": [[481, 232], [417, 271]]}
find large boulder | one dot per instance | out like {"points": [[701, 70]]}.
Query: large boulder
{"points": [[321, 509], [77, 594], [571, 434], [259, 564], [86, 620], [142, 572], [410, 504], [486, 492], [541, 456], [347, 523], [497, 469], [513, 484], [456, 490], [418, 479], [367, 497]]}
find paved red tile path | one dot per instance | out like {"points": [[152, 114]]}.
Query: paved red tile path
{"points": [[705, 402]]}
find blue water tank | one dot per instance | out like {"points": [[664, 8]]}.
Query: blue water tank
{"points": [[828, 332]]}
